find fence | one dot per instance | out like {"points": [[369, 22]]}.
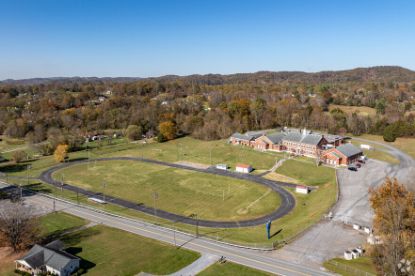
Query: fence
{"points": [[349, 269], [171, 226]]}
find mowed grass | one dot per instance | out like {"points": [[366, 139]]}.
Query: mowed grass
{"points": [[377, 152], [231, 269], [179, 191], [182, 149], [57, 222], [306, 171], [358, 266], [205, 152], [109, 251], [406, 145]]}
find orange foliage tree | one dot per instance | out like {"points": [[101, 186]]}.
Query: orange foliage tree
{"points": [[61, 153], [168, 130], [394, 222]]}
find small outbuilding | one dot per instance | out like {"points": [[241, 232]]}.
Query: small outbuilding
{"points": [[222, 167], [348, 255], [243, 168], [302, 189]]}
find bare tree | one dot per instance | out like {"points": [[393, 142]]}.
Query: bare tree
{"points": [[18, 225]]}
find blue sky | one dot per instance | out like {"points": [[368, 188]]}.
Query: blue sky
{"points": [[45, 38]]}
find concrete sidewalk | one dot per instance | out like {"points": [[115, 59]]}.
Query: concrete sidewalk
{"points": [[197, 266]]}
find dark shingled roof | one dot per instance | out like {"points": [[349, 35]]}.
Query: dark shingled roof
{"points": [[275, 138], [311, 139], [249, 136], [349, 150], [39, 256]]}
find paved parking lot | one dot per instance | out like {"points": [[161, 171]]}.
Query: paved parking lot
{"points": [[329, 238], [353, 205]]}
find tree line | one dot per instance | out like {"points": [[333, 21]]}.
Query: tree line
{"points": [[207, 107]]}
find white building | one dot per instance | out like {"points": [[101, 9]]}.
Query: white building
{"points": [[243, 168], [302, 189], [222, 167]]}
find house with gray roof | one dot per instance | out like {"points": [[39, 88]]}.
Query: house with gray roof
{"points": [[50, 259]]}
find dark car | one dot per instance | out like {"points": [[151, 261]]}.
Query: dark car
{"points": [[361, 161], [352, 168], [358, 165]]}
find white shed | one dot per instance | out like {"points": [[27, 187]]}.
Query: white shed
{"points": [[302, 189], [243, 168], [348, 255], [222, 167]]}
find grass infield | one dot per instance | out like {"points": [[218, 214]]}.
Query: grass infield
{"points": [[179, 191]]}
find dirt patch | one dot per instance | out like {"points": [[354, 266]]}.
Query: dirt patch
{"points": [[7, 258], [193, 164]]}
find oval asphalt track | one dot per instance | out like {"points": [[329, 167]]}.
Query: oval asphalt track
{"points": [[287, 200]]}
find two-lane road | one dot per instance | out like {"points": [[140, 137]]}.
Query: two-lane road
{"points": [[247, 257]]}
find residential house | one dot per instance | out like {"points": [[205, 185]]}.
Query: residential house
{"points": [[48, 259]]}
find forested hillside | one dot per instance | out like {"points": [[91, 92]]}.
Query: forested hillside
{"points": [[65, 110]]}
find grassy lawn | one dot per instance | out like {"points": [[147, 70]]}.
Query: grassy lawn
{"points": [[376, 152], [405, 144], [306, 171], [179, 191], [309, 208], [205, 152], [51, 226], [127, 254], [182, 149], [359, 110], [350, 268], [54, 223], [231, 269]]}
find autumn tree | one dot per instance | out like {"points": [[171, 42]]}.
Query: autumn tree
{"points": [[394, 222], [61, 153], [134, 132], [18, 225], [168, 130]]}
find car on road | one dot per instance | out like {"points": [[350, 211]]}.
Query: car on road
{"points": [[352, 168], [358, 165]]}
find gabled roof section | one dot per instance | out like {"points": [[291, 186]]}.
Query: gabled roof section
{"points": [[248, 136], [311, 139], [276, 137], [349, 150], [40, 256]]}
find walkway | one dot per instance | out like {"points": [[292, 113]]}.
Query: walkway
{"points": [[197, 266]]}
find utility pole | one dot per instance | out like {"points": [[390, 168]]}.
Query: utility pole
{"points": [[27, 173], [174, 236], [62, 183], [103, 193], [194, 216], [155, 197]]}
